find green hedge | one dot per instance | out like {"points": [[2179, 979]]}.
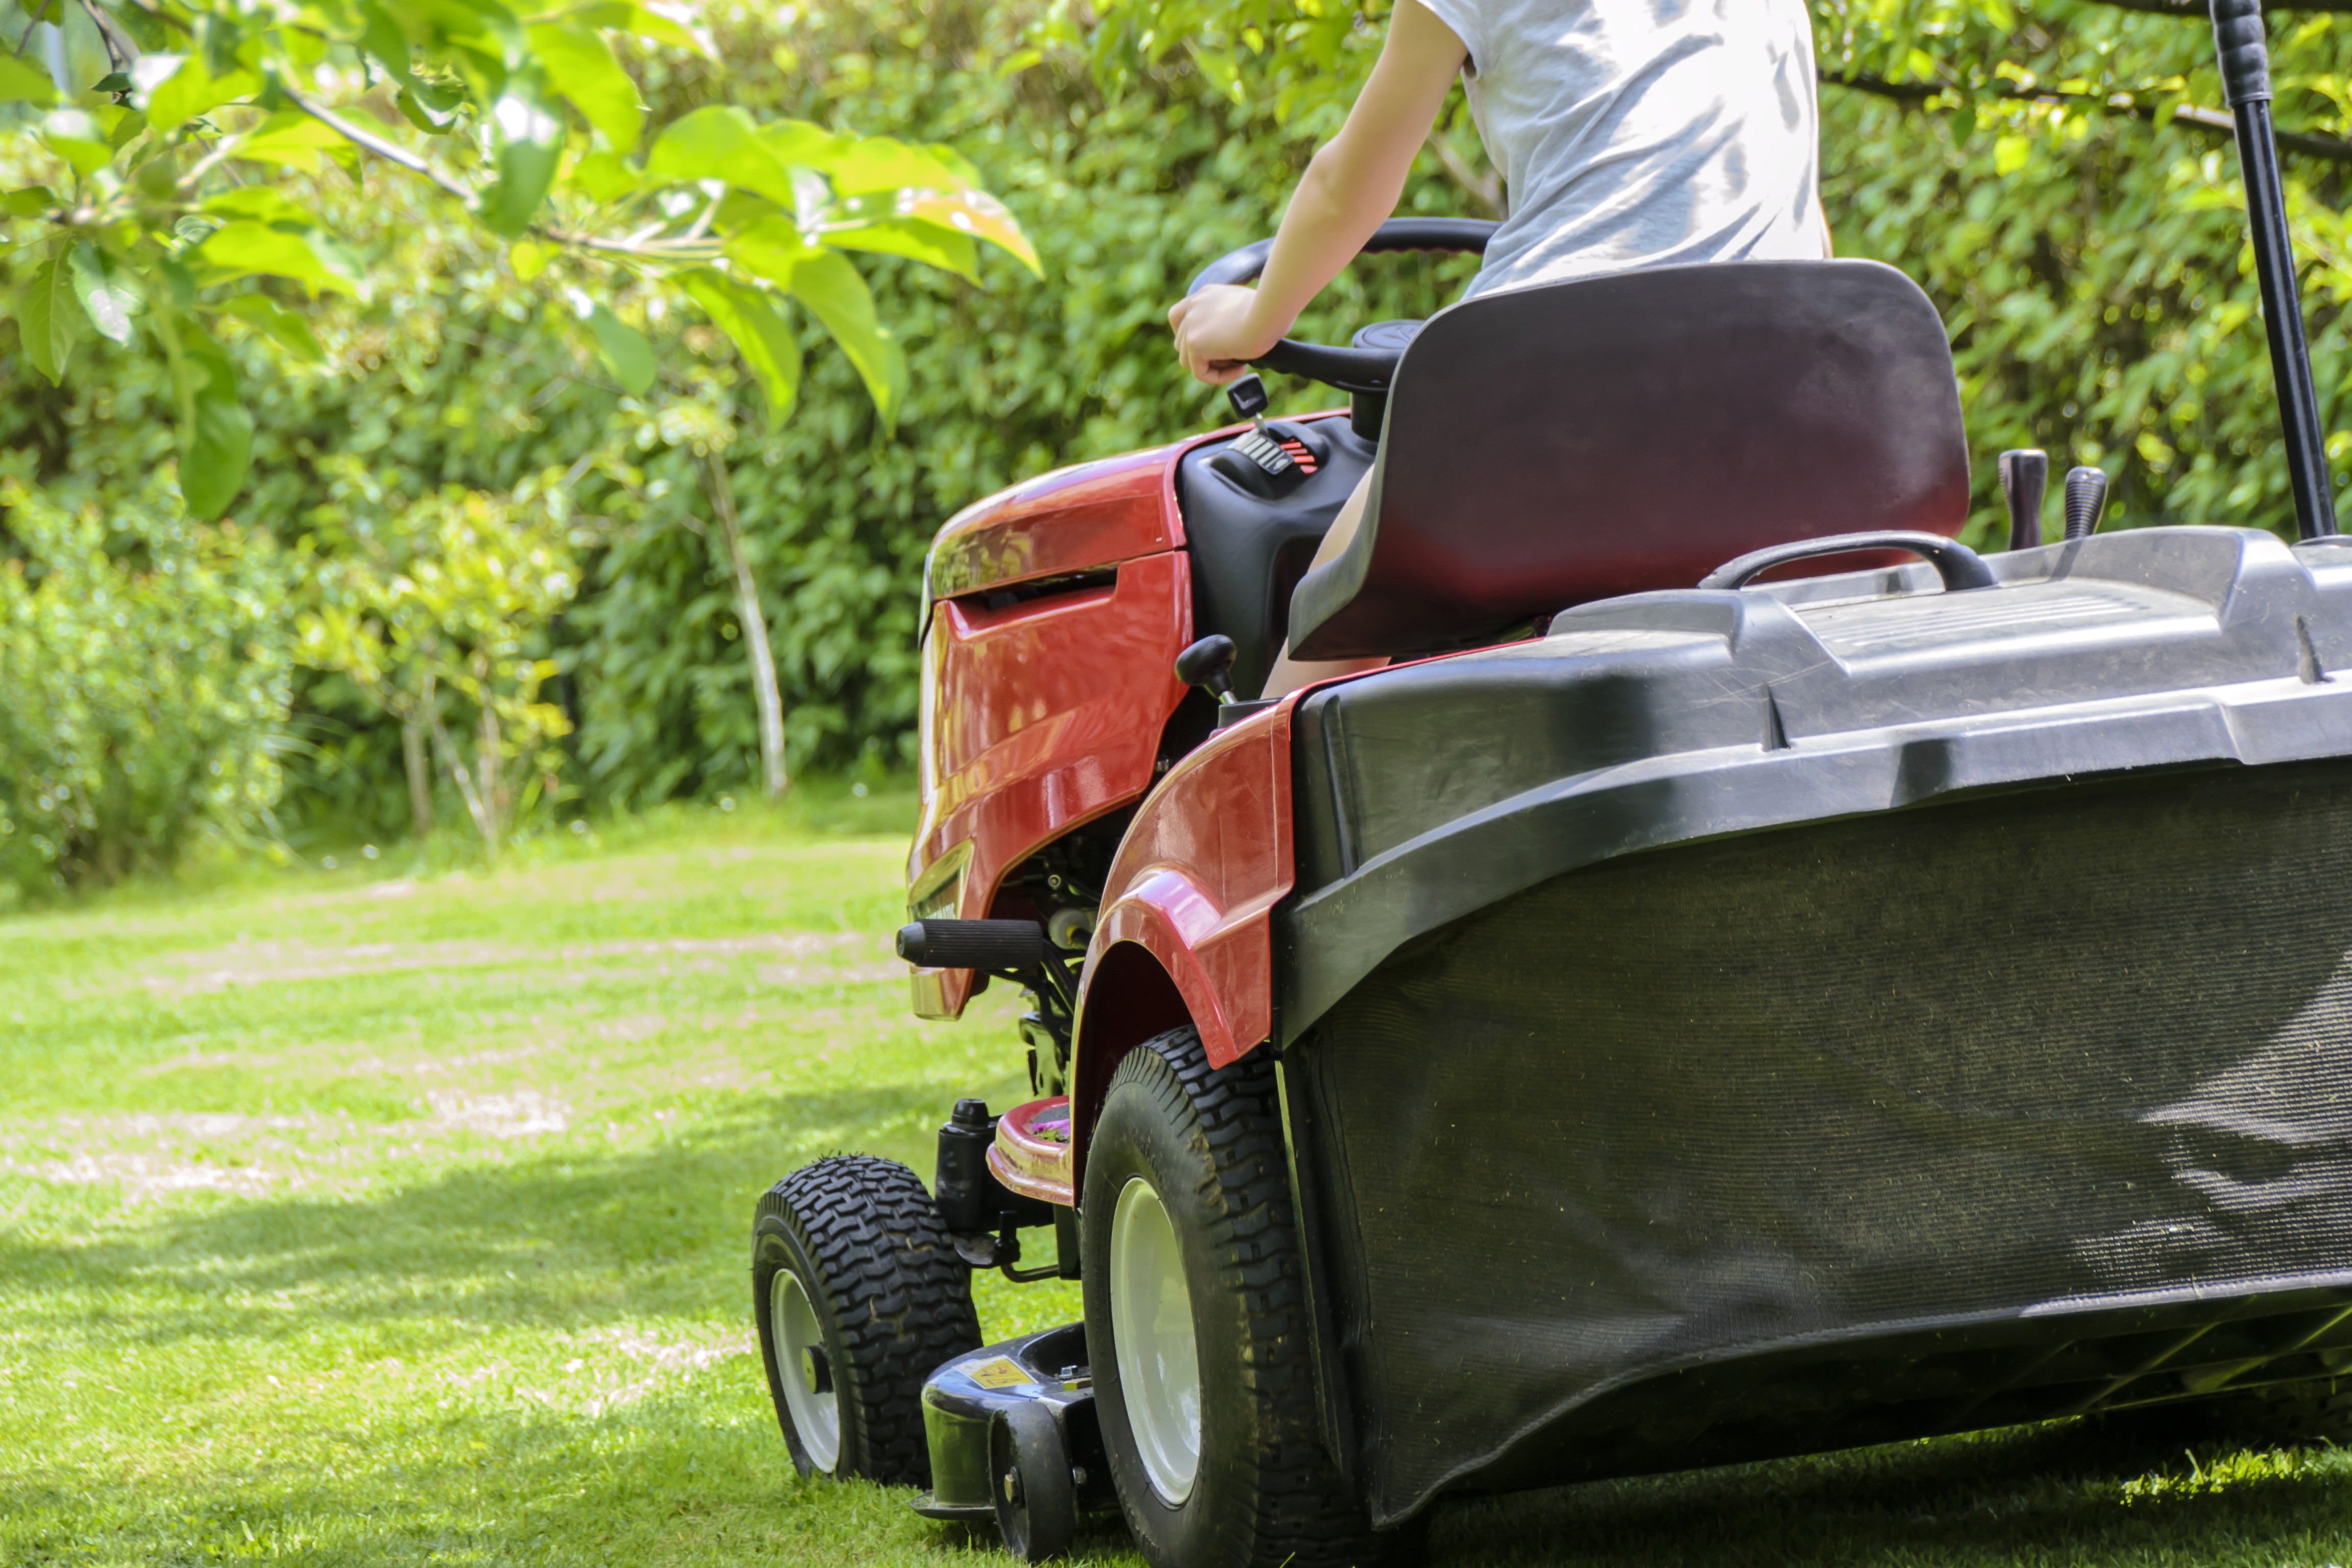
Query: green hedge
{"points": [[2089, 262]]}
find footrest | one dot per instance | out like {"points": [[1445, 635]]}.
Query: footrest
{"points": [[1031, 1152]]}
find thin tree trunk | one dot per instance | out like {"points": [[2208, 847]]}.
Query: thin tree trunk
{"points": [[420, 777], [476, 807], [755, 637], [1485, 189], [487, 764]]}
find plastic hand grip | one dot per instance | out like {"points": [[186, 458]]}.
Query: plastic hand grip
{"points": [[1957, 564], [1209, 663], [2242, 43], [2024, 480], [2086, 501], [973, 944]]}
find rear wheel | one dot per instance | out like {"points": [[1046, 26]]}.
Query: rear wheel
{"points": [[860, 1297], [1198, 1324]]}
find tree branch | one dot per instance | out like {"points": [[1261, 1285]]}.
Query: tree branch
{"points": [[1487, 189], [394, 153], [121, 49], [2335, 150]]}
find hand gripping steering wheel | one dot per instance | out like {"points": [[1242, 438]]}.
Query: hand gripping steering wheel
{"points": [[1369, 365]]}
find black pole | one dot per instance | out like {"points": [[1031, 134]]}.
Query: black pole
{"points": [[2239, 37]]}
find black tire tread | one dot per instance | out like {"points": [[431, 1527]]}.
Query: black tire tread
{"points": [[1306, 1518], [898, 1295]]}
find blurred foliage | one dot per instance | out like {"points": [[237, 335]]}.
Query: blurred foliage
{"points": [[146, 666], [441, 597], [2049, 171], [136, 215], [456, 371], [169, 199]]}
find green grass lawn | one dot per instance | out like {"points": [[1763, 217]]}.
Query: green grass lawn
{"points": [[363, 1217]]}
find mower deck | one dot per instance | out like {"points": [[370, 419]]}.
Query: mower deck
{"points": [[963, 1398]]}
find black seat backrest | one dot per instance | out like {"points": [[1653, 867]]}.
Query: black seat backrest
{"points": [[1550, 446]]}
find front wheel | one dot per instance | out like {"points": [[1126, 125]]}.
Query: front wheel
{"points": [[860, 1297], [1197, 1322]]}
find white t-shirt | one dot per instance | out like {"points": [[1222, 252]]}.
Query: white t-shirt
{"points": [[1642, 132]]}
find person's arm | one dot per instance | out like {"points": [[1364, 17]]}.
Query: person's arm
{"points": [[1349, 191]]}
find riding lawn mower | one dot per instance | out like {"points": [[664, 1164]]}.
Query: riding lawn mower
{"points": [[1751, 976]]}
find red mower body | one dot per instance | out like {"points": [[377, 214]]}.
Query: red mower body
{"points": [[1057, 611]]}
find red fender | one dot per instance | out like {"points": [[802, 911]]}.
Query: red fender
{"points": [[1186, 926]]}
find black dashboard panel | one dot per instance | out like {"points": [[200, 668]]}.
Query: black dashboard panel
{"points": [[1249, 550]]}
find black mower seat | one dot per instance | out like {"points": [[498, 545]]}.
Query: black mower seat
{"points": [[1553, 445]]}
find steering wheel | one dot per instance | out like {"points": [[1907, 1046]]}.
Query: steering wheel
{"points": [[1370, 364]]}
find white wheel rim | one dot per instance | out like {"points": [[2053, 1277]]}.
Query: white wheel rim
{"points": [[1151, 1324], [805, 1370]]}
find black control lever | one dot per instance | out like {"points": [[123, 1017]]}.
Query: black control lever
{"points": [[2243, 41], [1209, 664], [1248, 398], [1268, 460], [2024, 480], [2086, 501]]}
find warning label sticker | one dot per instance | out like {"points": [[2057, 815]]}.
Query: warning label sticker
{"points": [[1001, 1371]]}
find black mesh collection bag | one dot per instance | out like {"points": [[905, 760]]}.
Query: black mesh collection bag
{"points": [[1976, 1112]]}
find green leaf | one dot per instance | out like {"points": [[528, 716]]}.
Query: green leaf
{"points": [[759, 332], [603, 176], [720, 142], [217, 38], [21, 81], [192, 91], [974, 215], [242, 247], [529, 259], [771, 249], [289, 331], [837, 296], [647, 22], [31, 201], [916, 241], [107, 297], [624, 349], [264, 204], [802, 142], [215, 431], [291, 139], [87, 157], [580, 64], [1219, 65], [529, 135], [433, 122], [424, 105], [882, 163], [46, 318]]}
